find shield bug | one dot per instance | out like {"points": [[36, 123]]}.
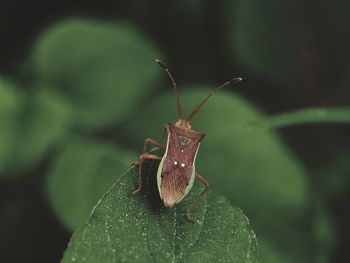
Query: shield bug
{"points": [[176, 171]]}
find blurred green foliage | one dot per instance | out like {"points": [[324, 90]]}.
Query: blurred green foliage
{"points": [[100, 68], [306, 116], [31, 124], [10, 107], [74, 116], [83, 171]]}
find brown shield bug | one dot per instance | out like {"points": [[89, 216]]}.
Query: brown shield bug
{"points": [[176, 171]]}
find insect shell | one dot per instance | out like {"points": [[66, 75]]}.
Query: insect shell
{"points": [[176, 171]]}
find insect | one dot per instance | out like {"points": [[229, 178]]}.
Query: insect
{"points": [[176, 171]]}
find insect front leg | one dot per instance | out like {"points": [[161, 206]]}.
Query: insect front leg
{"points": [[139, 162], [195, 202], [153, 142]]}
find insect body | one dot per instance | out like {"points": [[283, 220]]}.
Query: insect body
{"points": [[176, 171]]}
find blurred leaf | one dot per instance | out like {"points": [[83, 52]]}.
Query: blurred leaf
{"points": [[306, 116], [83, 172], [324, 233], [334, 180], [102, 69], [269, 253], [30, 125], [264, 36], [266, 179], [140, 229], [43, 124], [11, 101]]}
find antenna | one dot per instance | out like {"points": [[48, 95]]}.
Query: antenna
{"points": [[211, 93], [179, 108]]}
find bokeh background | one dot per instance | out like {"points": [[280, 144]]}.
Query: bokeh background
{"points": [[79, 91]]}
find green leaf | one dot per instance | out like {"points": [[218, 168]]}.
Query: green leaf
{"points": [[30, 126], [44, 123], [324, 232], [11, 101], [305, 116], [270, 253], [333, 179], [140, 229], [81, 174], [102, 69]]}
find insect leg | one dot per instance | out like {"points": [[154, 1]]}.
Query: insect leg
{"points": [[139, 163], [195, 202], [151, 141]]}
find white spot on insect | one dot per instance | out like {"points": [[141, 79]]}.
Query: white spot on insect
{"points": [[182, 165], [182, 151], [175, 162]]}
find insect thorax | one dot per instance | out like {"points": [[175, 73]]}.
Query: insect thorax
{"points": [[184, 142]]}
